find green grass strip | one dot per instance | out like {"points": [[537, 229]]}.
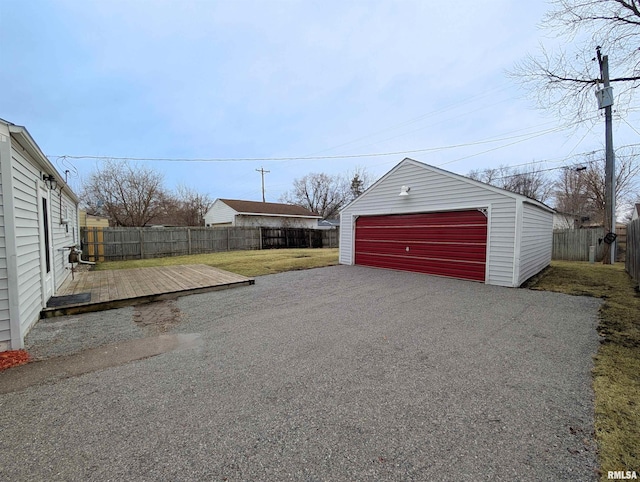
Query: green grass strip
{"points": [[616, 374]]}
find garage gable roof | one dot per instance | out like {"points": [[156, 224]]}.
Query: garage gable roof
{"points": [[268, 209], [453, 175]]}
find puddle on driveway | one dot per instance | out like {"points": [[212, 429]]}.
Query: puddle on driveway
{"points": [[115, 354]]}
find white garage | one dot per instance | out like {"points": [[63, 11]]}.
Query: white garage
{"points": [[425, 219]]}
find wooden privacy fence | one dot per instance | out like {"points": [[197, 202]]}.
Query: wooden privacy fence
{"points": [[112, 244], [632, 259], [573, 244], [291, 238]]}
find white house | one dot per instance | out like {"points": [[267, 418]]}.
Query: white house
{"points": [[636, 212], [38, 219], [233, 212], [565, 220], [326, 224], [421, 218]]}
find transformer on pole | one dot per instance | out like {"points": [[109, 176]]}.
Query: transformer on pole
{"points": [[605, 101]]}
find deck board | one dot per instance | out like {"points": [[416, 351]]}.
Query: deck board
{"points": [[115, 288]]}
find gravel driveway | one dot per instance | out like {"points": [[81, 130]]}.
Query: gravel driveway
{"points": [[340, 373]]}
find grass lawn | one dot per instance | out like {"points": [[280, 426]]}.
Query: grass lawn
{"points": [[616, 375], [247, 263]]}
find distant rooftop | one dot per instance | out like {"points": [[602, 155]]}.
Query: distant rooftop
{"points": [[257, 207]]}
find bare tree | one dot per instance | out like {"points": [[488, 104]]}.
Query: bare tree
{"points": [[564, 80], [359, 181], [326, 194], [319, 193], [526, 180], [192, 205], [129, 195], [582, 191], [487, 175], [572, 194]]}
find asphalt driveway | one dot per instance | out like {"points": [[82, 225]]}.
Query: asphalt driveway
{"points": [[340, 373]]}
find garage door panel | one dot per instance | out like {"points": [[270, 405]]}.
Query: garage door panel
{"points": [[447, 244], [441, 268], [469, 234], [426, 218], [449, 251]]}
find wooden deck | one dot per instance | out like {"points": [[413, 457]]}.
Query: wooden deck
{"points": [[126, 287]]}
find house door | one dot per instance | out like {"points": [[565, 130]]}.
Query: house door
{"points": [[46, 248]]}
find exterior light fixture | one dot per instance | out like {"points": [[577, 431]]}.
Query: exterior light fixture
{"points": [[404, 191], [50, 181]]}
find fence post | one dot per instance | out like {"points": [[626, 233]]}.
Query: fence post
{"points": [[141, 237], [189, 239], [100, 244], [90, 247], [228, 247]]}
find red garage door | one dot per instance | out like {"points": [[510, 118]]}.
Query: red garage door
{"points": [[447, 244]]}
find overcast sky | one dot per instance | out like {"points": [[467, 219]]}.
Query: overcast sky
{"points": [[269, 79]]}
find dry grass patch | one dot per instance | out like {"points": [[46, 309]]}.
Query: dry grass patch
{"points": [[616, 374], [246, 263]]}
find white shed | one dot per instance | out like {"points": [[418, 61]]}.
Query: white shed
{"points": [[251, 214], [37, 221], [425, 219]]}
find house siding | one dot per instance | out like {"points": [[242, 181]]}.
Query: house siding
{"points": [[537, 241], [255, 221], [25, 177], [222, 214], [22, 165], [432, 191], [219, 214], [64, 235], [5, 324]]}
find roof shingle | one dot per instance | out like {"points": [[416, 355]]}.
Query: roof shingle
{"points": [[267, 208]]}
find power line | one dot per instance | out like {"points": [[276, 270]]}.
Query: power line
{"points": [[418, 119], [311, 158], [549, 160], [531, 136]]}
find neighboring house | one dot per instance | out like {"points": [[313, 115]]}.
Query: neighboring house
{"points": [[425, 219], [636, 212], [232, 212], [565, 220], [92, 221], [328, 224], [38, 220]]}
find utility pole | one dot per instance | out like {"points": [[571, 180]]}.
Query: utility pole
{"points": [[262, 171], [605, 101]]}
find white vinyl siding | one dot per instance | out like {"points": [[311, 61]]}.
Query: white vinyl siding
{"points": [[537, 241], [26, 199], [219, 214], [248, 221], [63, 234], [432, 191], [22, 165], [5, 325]]}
